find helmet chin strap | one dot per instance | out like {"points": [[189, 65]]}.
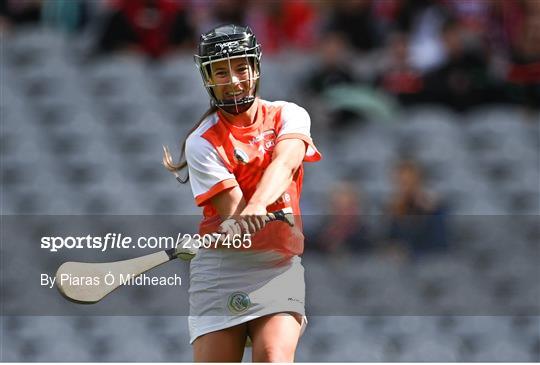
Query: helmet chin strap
{"points": [[237, 107]]}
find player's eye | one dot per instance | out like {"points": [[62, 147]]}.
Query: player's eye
{"points": [[220, 74]]}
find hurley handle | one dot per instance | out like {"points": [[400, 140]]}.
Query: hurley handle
{"points": [[284, 215]]}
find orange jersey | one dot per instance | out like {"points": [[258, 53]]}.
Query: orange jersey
{"points": [[221, 156]]}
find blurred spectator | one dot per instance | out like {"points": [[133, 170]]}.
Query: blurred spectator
{"points": [[462, 81], [459, 53], [19, 12], [333, 69], [417, 218], [354, 20], [229, 11], [473, 15], [334, 84], [423, 21], [151, 27], [398, 77], [210, 14], [524, 71], [282, 24], [502, 30], [343, 228], [68, 15], [386, 12]]}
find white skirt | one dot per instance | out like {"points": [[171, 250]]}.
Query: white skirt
{"points": [[229, 287]]}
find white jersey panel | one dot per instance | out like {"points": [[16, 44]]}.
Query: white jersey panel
{"points": [[205, 166], [295, 119]]}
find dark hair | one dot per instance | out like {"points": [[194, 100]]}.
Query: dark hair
{"points": [[175, 168]]}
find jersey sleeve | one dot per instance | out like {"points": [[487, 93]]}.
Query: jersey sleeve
{"points": [[208, 175], [296, 123]]}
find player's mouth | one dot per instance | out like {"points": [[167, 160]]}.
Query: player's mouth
{"points": [[234, 94]]}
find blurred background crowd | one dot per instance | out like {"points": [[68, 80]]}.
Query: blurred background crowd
{"points": [[426, 112], [459, 53]]}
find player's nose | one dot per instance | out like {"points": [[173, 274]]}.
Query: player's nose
{"points": [[235, 79]]}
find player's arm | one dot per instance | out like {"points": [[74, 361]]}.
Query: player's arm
{"points": [[210, 179], [229, 202], [286, 159], [293, 146], [278, 176]]}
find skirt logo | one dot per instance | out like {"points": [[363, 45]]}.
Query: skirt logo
{"points": [[238, 302]]}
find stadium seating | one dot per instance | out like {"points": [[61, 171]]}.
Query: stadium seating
{"points": [[85, 138]]}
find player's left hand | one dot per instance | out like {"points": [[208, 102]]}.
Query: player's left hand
{"points": [[230, 227]]}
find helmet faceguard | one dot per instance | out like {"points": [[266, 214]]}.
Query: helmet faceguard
{"points": [[226, 43]]}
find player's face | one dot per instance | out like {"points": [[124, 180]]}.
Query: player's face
{"points": [[234, 80]]}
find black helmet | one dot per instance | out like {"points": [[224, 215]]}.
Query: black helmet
{"points": [[225, 43]]}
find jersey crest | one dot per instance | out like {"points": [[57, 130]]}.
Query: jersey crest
{"points": [[267, 139]]}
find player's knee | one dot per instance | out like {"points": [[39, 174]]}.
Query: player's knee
{"points": [[273, 353]]}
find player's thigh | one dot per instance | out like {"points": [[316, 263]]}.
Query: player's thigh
{"points": [[275, 337], [226, 345]]}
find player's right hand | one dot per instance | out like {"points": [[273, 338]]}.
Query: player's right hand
{"points": [[243, 225], [230, 227]]}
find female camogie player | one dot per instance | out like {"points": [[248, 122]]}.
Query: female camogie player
{"points": [[244, 159]]}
